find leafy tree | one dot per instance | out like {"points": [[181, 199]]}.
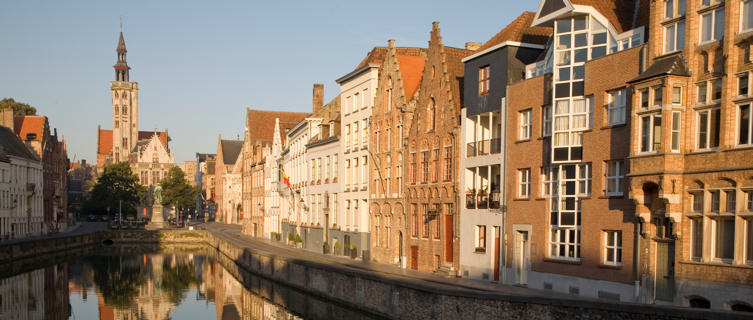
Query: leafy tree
{"points": [[19, 108], [116, 183], [176, 191]]}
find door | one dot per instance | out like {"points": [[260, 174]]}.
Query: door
{"points": [[665, 271], [414, 257], [448, 235], [521, 258], [495, 252], [400, 249]]}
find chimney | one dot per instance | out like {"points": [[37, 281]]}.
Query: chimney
{"points": [[318, 99], [83, 163], [435, 25], [6, 118], [391, 43], [473, 46]]}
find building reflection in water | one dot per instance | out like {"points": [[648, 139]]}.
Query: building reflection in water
{"points": [[39, 294]]}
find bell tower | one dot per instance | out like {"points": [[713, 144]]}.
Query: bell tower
{"points": [[125, 107]]}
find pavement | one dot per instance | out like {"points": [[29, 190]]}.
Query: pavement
{"points": [[232, 233]]}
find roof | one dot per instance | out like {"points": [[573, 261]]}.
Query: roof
{"points": [[411, 69], [520, 30], [378, 54], [11, 145], [456, 68], [671, 65], [29, 124], [163, 137], [621, 14], [230, 150], [203, 156], [104, 141], [261, 124]]}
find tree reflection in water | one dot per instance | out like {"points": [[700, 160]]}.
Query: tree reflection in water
{"points": [[118, 279]]}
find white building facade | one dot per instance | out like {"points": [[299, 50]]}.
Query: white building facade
{"points": [[21, 205]]}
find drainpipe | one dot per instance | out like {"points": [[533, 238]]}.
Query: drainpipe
{"points": [[456, 218], [503, 190], [636, 260]]}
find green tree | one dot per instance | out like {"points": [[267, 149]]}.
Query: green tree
{"points": [[176, 191], [116, 183], [19, 108]]}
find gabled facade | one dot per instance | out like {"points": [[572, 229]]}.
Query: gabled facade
{"points": [[496, 64], [431, 191], [228, 181], [395, 101], [151, 160], [21, 185]]}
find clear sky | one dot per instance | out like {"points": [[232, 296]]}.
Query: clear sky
{"points": [[199, 64]]}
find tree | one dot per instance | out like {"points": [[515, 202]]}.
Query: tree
{"points": [[176, 191], [19, 108], [116, 183]]}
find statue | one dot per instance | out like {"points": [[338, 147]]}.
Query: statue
{"points": [[158, 194]]}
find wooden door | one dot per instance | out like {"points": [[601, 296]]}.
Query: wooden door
{"points": [[521, 258], [414, 257], [448, 235], [496, 253], [665, 282]]}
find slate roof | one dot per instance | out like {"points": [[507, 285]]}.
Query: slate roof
{"points": [[12, 145], [520, 30], [230, 150], [671, 65], [24, 125], [261, 124]]}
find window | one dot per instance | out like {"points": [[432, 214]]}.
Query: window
{"points": [[724, 239], [731, 201], [447, 163], [334, 167], [481, 237], [327, 168], [715, 200], [388, 143], [549, 181], [697, 198], [674, 8], [696, 238], [615, 177], [483, 80], [749, 200], [524, 183], [355, 134], [364, 172], [584, 179], [435, 165], [708, 128], [651, 133], [364, 132], [388, 94], [564, 243], [616, 107], [742, 84], [712, 25], [644, 98], [424, 166], [749, 241], [613, 248], [347, 172], [412, 168], [425, 218], [414, 221], [674, 36], [658, 96], [702, 93], [435, 227], [744, 125], [676, 95], [431, 111], [546, 121], [747, 15], [525, 125], [347, 135], [676, 131]]}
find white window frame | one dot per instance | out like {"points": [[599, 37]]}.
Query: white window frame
{"points": [[742, 15], [584, 177], [739, 124], [713, 15], [546, 120], [524, 183], [696, 222], [480, 240], [675, 131], [525, 124], [676, 40], [615, 175], [709, 112], [651, 133], [715, 225], [616, 107], [615, 247], [557, 243]]}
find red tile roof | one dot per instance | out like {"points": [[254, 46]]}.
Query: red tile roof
{"points": [[520, 30], [104, 141], [456, 69], [411, 69], [24, 125], [619, 13], [261, 124], [377, 55]]}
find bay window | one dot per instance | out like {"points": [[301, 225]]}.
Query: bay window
{"points": [[676, 131], [651, 133], [744, 124], [708, 128]]}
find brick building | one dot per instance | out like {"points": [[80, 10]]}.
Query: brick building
{"points": [[227, 175], [431, 191], [395, 101], [690, 169], [497, 63]]}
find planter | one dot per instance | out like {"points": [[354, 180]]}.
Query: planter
{"points": [[325, 249]]}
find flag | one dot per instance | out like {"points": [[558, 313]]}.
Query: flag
{"points": [[285, 179]]}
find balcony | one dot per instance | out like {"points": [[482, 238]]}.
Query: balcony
{"points": [[484, 147], [470, 201], [494, 201], [471, 149], [483, 200]]}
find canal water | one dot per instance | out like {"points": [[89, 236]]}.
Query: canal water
{"points": [[156, 286]]}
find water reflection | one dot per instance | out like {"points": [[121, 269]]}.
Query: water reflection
{"points": [[113, 285]]}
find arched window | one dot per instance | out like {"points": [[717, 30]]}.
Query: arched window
{"points": [[431, 111]]}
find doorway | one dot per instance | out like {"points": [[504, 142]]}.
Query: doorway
{"points": [[400, 248], [414, 257], [521, 259], [665, 270], [495, 252], [448, 235]]}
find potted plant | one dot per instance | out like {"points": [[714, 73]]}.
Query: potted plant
{"points": [[325, 247], [337, 247], [291, 238], [298, 240], [353, 251]]}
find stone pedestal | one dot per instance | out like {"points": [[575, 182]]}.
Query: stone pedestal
{"points": [[158, 220]]}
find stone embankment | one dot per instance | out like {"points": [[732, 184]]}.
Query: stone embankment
{"points": [[382, 295]]}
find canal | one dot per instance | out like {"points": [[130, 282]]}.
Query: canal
{"points": [[149, 283]]}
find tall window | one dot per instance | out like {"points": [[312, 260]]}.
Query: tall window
{"points": [[364, 132], [327, 168], [347, 135], [524, 183], [616, 107], [715, 201], [447, 163], [615, 177], [731, 201], [399, 173], [412, 168], [658, 96], [483, 80], [425, 218], [364, 172], [424, 166], [431, 112], [674, 31], [584, 179], [743, 84], [347, 172], [697, 198], [676, 95], [696, 238], [744, 125], [747, 16], [355, 134], [480, 237], [708, 128], [749, 200], [414, 220], [435, 225], [388, 142], [676, 131], [549, 178], [651, 136], [388, 175], [435, 165], [546, 121], [706, 97], [525, 125], [334, 167], [613, 248], [712, 25], [724, 239]]}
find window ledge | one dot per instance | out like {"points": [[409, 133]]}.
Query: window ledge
{"points": [[646, 154], [612, 126], [666, 21], [480, 251], [740, 147], [612, 196], [709, 45], [610, 266], [704, 151], [742, 98], [563, 261], [521, 199], [704, 9], [718, 264], [523, 140], [743, 36]]}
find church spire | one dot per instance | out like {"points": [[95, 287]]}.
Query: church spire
{"points": [[121, 67]]}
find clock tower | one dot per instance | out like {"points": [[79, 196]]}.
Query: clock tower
{"points": [[125, 107]]}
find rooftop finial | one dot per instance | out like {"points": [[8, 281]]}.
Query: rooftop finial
{"points": [[121, 23]]}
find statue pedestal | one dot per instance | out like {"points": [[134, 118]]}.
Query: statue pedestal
{"points": [[158, 220]]}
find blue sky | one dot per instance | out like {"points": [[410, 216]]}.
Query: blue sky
{"points": [[199, 64]]}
